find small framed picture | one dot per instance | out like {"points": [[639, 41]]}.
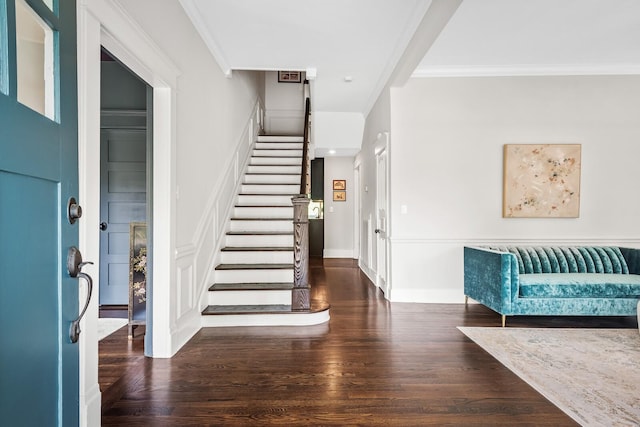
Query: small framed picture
{"points": [[289, 77], [339, 184], [339, 196]]}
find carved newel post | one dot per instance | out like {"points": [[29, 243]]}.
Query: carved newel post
{"points": [[300, 296]]}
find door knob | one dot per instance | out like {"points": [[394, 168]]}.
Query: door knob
{"points": [[377, 231], [103, 226], [74, 266]]}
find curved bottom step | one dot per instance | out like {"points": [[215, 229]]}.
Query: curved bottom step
{"points": [[277, 315]]}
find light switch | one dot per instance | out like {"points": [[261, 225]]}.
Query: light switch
{"points": [[403, 209], [330, 208]]}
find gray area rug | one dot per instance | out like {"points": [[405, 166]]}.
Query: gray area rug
{"points": [[593, 375], [108, 326]]}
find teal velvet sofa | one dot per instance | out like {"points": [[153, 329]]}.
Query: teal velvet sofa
{"points": [[553, 280]]}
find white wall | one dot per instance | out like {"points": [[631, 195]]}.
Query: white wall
{"points": [[338, 216], [284, 106], [446, 167], [340, 131]]}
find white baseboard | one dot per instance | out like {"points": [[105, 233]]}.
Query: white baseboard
{"points": [[441, 296], [337, 253], [371, 275], [189, 326]]}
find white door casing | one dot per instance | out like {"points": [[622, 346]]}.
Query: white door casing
{"points": [[382, 213]]}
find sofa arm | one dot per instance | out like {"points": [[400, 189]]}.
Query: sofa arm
{"points": [[491, 278], [632, 257]]}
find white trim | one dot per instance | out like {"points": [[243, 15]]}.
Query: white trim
{"points": [[89, 240], [194, 14], [528, 70], [124, 38], [337, 253], [367, 272], [357, 211], [430, 296], [586, 241], [289, 319]]}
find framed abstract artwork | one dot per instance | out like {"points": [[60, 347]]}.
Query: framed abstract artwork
{"points": [[541, 181]]}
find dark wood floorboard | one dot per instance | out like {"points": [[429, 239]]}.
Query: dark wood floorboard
{"points": [[374, 363]]}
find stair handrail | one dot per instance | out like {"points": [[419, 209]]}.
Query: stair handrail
{"points": [[304, 178]]}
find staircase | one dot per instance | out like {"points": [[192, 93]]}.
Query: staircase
{"points": [[254, 280]]}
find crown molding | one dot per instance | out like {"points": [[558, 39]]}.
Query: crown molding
{"points": [[528, 70]]}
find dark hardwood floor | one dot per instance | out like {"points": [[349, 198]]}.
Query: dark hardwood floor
{"points": [[374, 363]]}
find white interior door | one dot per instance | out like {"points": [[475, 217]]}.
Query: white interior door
{"points": [[381, 220], [123, 200]]}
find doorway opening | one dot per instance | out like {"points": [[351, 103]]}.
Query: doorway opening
{"points": [[126, 205]]}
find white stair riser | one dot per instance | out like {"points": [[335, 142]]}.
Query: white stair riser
{"points": [[261, 225], [272, 179], [257, 257], [277, 138], [263, 212], [250, 297], [270, 189], [254, 276], [277, 153], [275, 161], [279, 145], [266, 199], [290, 319], [256, 241], [274, 169]]}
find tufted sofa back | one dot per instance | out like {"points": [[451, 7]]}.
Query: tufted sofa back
{"points": [[578, 259]]}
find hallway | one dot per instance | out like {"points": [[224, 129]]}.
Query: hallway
{"points": [[375, 363]]}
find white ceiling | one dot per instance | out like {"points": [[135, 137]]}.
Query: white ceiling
{"points": [[364, 39], [538, 37]]}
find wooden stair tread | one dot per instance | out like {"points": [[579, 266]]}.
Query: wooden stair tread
{"points": [[279, 149], [275, 164], [268, 194], [282, 286], [272, 173], [264, 206], [260, 233], [316, 307], [261, 219], [246, 309], [270, 183], [280, 156], [257, 249], [254, 267]]}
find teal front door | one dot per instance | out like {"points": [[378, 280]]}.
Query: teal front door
{"points": [[38, 175]]}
